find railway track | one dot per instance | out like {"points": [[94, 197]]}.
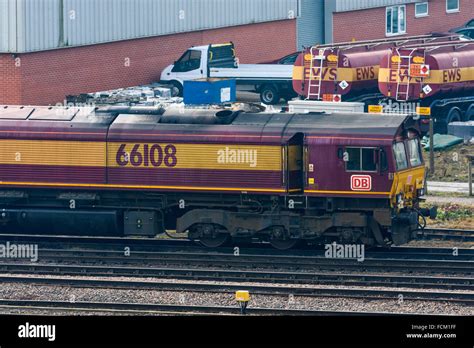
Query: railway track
{"points": [[170, 309], [447, 234], [271, 289], [249, 261], [266, 276], [184, 245], [258, 268], [186, 255]]}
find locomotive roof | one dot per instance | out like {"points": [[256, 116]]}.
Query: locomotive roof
{"points": [[331, 123], [205, 121]]}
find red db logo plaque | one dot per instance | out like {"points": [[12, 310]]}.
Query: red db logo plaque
{"points": [[361, 183]]}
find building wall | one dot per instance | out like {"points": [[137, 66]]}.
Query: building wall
{"points": [[35, 25], [10, 81], [46, 77], [348, 25], [310, 23]]}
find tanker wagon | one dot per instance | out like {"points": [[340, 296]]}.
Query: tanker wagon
{"points": [[435, 75], [348, 71]]}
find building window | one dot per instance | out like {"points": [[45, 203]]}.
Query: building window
{"points": [[452, 6], [421, 9], [396, 20]]}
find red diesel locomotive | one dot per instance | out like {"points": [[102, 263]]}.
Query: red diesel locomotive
{"points": [[279, 178]]}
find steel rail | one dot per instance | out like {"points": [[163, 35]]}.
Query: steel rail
{"points": [[174, 309], [253, 261], [275, 290], [412, 281], [147, 244]]}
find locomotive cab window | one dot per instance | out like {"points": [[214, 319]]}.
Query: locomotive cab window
{"points": [[414, 152], [361, 159], [400, 156]]}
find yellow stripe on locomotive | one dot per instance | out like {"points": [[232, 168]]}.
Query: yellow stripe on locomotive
{"points": [[53, 153], [195, 156]]}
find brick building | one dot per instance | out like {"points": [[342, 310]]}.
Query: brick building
{"points": [[374, 19], [52, 48]]}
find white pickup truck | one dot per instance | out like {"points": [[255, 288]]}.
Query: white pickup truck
{"points": [[272, 81]]}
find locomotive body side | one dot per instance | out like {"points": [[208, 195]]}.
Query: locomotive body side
{"points": [[280, 178], [48, 150]]}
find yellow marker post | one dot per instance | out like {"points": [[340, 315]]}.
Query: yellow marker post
{"points": [[243, 297], [423, 111], [426, 111], [375, 109]]}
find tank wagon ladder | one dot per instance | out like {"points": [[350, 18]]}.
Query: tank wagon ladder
{"points": [[315, 80], [403, 87]]}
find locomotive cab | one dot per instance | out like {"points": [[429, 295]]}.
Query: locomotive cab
{"points": [[408, 186], [409, 171]]}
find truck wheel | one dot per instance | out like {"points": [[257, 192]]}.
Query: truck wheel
{"points": [[454, 115], [178, 86], [269, 95], [470, 114]]}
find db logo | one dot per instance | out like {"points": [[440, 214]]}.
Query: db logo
{"points": [[361, 183]]}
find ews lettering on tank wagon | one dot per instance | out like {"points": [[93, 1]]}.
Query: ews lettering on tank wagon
{"points": [[452, 75], [366, 73], [328, 74], [437, 76], [348, 74]]}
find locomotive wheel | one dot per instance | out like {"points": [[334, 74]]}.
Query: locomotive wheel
{"points": [[209, 235], [214, 241], [283, 244], [280, 238]]}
